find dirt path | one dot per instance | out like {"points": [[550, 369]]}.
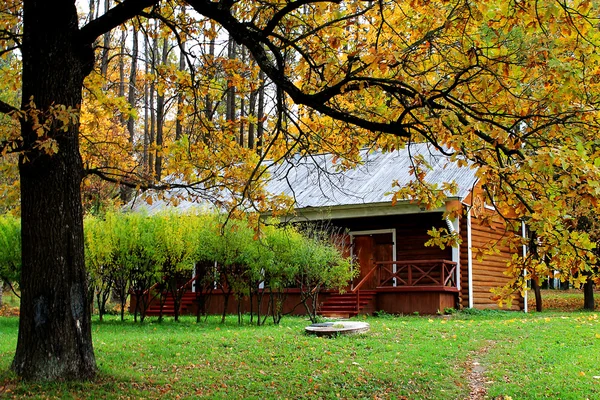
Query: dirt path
{"points": [[475, 373]]}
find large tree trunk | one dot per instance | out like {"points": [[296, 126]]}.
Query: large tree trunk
{"points": [[54, 339]]}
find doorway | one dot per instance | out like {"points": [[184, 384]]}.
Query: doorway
{"points": [[369, 247]]}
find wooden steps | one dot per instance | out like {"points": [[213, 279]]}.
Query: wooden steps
{"points": [[169, 307], [344, 305]]}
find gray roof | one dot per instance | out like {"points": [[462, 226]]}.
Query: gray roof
{"points": [[315, 181]]}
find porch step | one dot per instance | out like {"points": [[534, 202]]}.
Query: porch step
{"points": [[345, 305], [169, 306]]}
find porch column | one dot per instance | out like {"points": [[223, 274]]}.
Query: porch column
{"points": [[454, 226], [456, 252], [469, 257]]}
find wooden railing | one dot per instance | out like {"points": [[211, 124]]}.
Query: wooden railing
{"points": [[417, 273], [410, 274], [356, 289]]}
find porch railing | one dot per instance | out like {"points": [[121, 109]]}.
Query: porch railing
{"points": [[417, 274]]}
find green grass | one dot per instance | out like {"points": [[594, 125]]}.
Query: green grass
{"points": [[9, 299], [553, 355]]}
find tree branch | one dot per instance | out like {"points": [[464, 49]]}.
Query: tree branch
{"points": [[114, 17], [6, 108], [255, 41], [279, 15]]}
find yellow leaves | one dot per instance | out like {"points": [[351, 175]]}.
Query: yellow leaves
{"points": [[442, 238], [48, 146], [334, 42]]}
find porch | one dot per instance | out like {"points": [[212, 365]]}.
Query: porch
{"points": [[396, 287], [399, 287]]}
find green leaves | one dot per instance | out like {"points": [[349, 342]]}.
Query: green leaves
{"points": [[10, 249], [139, 247]]}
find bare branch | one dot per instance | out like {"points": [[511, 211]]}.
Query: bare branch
{"points": [[114, 17]]}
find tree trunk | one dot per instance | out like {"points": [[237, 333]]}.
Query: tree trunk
{"points": [[132, 84], [151, 139], [251, 116], [180, 108], [208, 103], [535, 286], [105, 44], [54, 339], [588, 294], [122, 72], [261, 113], [230, 98], [92, 12], [146, 106], [242, 104], [160, 118]]}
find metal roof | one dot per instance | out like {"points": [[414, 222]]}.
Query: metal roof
{"points": [[316, 181]]}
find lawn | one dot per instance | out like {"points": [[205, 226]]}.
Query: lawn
{"points": [[549, 355]]}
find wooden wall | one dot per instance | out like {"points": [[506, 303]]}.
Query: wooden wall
{"points": [[411, 233], [395, 302], [488, 272]]}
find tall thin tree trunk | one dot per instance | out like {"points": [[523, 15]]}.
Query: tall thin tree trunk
{"points": [[54, 340], [251, 116], [105, 44], [180, 111], [208, 103], [230, 98], [92, 12], [261, 113], [146, 108], [132, 84], [242, 104], [152, 108], [588, 294], [160, 117], [122, 70]]}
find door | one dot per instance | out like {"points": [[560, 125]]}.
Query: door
{"points": [[368, 249]]}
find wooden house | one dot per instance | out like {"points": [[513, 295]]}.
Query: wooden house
{"points": [[398, 273]]}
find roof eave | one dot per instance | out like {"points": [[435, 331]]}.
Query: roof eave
{"points": [[360, 211]]}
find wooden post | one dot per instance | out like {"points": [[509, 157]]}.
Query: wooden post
{"points": [[443, 267]]}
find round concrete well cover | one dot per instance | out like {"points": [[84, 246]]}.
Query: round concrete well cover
{"points": [[337, 328]]}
